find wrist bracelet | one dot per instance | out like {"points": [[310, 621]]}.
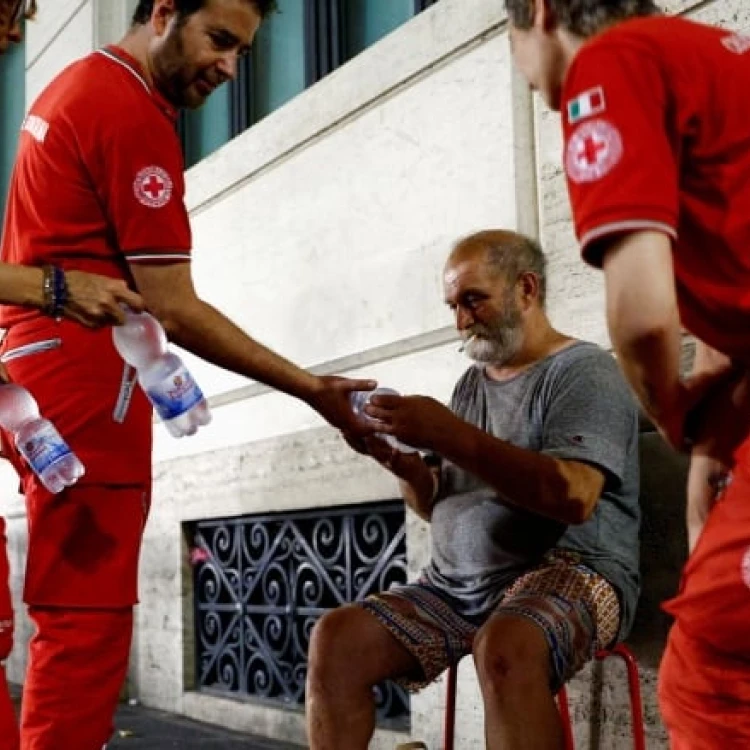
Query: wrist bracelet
{"points": [[55, 291]]}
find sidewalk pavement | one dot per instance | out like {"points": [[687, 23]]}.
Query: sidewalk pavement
{"points": [[140, 728]]}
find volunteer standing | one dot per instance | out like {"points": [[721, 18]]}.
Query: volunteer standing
{"points": [[100, 170], [655, 114]]}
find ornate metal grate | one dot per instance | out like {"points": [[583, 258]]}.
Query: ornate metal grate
{"points": [[261, 582]]}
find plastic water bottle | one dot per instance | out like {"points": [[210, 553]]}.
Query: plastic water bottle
{"points": [[166, 381], [37, 439], [360, 399]]}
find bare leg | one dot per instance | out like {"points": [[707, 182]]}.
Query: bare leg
{"points": [[513, 664], [350, 652]]}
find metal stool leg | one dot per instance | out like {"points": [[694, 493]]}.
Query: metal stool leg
{"points": [[634, 688], [449, 727], [564, 709]]}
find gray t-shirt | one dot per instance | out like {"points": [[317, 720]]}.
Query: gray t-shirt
{"points": [[573, 405]]}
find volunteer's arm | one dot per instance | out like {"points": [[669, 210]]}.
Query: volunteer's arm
{"points": [[200, 328], [645, 330], [644, 325]]}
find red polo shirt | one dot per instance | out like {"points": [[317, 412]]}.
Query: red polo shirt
{"points": [[98, 181], [656, 117], [98, 185]]}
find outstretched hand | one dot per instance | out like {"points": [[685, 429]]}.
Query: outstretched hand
{"points": [[332, 401], [95, 300]]}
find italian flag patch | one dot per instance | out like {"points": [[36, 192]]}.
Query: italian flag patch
{"points": [[588, 103]]}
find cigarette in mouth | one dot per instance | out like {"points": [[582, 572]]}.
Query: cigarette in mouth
{"points": [[466, 342]]}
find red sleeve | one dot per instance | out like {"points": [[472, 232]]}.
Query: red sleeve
{"points": [[141, 181], [621, 167]]}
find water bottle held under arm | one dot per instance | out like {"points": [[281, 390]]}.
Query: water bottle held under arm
{"points": [[170, 387], [37, 439]]}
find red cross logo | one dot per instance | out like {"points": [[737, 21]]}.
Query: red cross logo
{"points": [[594, 149], [591, 150], [153, 187]]}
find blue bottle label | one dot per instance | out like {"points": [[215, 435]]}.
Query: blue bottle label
{"points": [[44, 448], [175, 395]]}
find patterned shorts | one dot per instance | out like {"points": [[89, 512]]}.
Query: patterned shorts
{"points": [[577, 610]]}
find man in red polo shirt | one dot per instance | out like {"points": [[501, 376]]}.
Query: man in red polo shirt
{"points": [[655, 115], [92, 300], [99, 169]]}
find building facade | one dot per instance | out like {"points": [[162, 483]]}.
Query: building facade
{"points": [[325, 192]]}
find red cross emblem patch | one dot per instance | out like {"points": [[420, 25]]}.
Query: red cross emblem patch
{"points": [[593, 149], [153, 187]]}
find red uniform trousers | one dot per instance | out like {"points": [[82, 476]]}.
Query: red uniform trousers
{"points": [[8, 723], [82, 566], [704, 681]]}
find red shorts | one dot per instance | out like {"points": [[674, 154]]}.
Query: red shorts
{"points": [[78, 659], [705, 675], [713, 604], [83, 542], [704, 697]]}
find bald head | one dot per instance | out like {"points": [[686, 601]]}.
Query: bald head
{"points": [[494, 282], [505, 255]]}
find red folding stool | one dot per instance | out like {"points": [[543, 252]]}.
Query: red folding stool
{"points": [[634, 688]]}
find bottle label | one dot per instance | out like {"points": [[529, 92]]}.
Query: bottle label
{"points": [[175, 395], [44, 448]]}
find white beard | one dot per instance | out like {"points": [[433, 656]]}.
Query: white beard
{"points": [[494, 351]]}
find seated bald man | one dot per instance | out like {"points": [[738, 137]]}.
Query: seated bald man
{"points": [[530, 483]]}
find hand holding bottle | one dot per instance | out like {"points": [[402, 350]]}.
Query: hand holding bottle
{"points": [[419, 421], [165, 380], [360, 399]]}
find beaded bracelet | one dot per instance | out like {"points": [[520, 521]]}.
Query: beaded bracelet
{"points": [[55, 291]]}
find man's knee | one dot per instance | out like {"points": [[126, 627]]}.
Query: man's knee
{"points": [[334, 638], [511, 653], [351, 649]]}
